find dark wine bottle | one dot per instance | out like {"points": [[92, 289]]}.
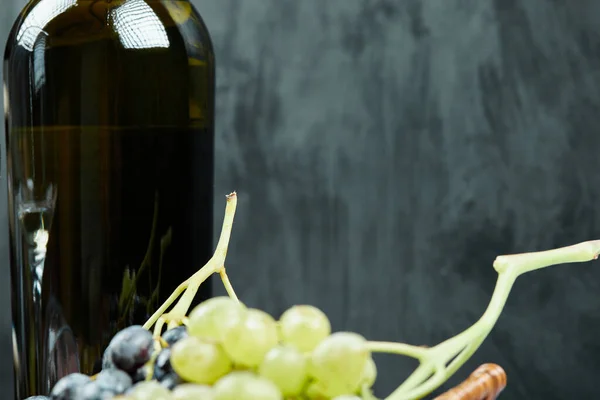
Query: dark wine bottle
{"points": [[109, 109]]}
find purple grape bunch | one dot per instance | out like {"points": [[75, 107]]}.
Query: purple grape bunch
{"points": [[124, 367]]}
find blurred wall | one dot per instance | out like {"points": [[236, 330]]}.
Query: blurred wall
{"points": [[386, 151]]}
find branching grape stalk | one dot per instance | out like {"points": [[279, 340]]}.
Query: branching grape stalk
{"points": [[190, 287], [436, 364]]}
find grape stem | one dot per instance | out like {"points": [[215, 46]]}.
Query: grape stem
{"points": [[440, 362], [227, 284], [190, 287]]}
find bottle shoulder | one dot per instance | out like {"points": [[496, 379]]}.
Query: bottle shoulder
{"points": [[126, 24]]}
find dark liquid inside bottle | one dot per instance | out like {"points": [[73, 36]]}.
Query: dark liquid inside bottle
{"points": [[110, 166]]}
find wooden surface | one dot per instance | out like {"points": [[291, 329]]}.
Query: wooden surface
{"points": [[384, 152]]}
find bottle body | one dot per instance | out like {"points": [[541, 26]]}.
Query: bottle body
{"points": [[109, 109]]}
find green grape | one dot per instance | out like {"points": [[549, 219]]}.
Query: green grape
{"points": [[304, 327], [214, 317], [243, 385], [315, 392], [369, 374], [338, 363], [346, 397], [191, 391], [249, 341], [150, 390], [199, 361], [286, 367]]}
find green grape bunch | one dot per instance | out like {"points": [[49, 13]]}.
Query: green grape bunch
{"points": [[224, 350]]}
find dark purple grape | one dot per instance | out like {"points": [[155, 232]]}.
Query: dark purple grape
{"points": [[174, 335], [129, 349], [162, 365], [93, 391], [66, 387], [107, 362], [171, 380], [114, 381]]}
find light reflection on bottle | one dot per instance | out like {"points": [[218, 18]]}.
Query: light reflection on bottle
{"points": [[62, 357], [38, 61], [138, 26], [16, 358], [35, 208], [42, 13], [6, 102]]}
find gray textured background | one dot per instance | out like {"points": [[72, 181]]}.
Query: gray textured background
{"points": [[386, 151]]}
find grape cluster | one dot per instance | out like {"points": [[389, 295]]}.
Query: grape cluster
{"points": [[227, 351]]}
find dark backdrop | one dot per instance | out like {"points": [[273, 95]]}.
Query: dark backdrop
{"points": [[385, 152]]}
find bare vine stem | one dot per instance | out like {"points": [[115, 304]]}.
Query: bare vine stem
{"points": [[189, 288], [439, 363]]}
